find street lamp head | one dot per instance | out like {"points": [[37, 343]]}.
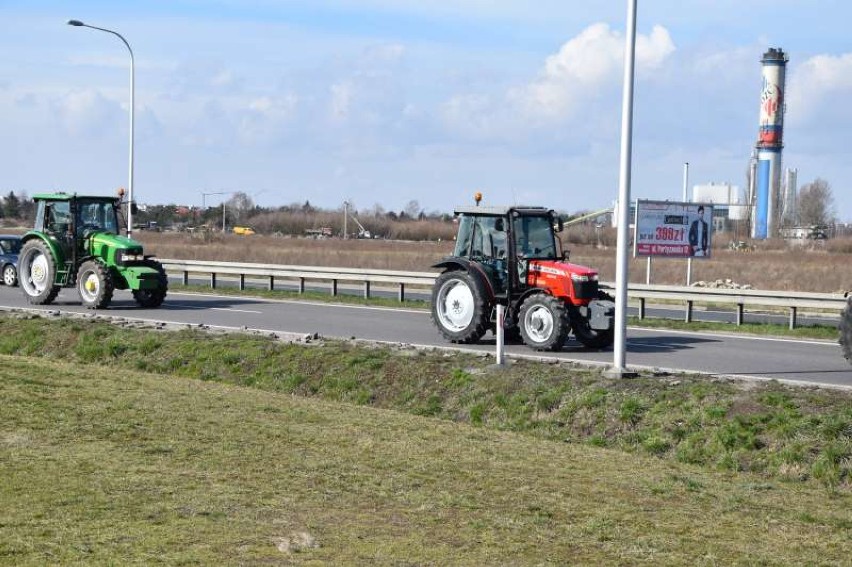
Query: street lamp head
{"points": [[75, 23]]}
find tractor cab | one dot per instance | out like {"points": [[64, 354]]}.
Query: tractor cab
{"points": [[502, 237], [71, 221]]}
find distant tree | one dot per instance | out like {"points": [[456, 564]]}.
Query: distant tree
{"points": [[307, 207], [412, 209], [816, 203], [27, 207], [12, 205], [377, 211], [239, 205]]}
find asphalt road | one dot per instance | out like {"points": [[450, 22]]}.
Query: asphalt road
{"points": [[815, 362]]}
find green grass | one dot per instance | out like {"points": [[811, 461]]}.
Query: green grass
{"points": [[781, 433], [101, 465]]}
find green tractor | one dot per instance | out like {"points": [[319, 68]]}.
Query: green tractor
{"points": [[77, 242]]}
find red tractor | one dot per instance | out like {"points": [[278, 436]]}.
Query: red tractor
{"points": [[511, 256]]}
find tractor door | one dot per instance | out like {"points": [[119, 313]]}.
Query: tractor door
{"points": [[483, 239], [58, 225]]}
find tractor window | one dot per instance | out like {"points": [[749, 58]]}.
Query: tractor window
{"points": [[58, 217], [99, 216], [463, 238], [479, 237], [534, 237]]}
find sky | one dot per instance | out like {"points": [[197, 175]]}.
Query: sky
{"points": [[381, 102]]}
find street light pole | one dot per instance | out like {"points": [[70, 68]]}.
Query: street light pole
{"points": [[619, 368], [78, 23]]}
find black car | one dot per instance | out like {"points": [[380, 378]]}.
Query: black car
{"points": [[10, 246]]}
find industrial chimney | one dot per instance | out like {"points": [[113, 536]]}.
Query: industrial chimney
{"points": [[767, 202]]}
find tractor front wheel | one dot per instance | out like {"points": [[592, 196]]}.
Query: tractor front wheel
{"points": [[95, 285], [37, 273], [460, 309], [543, 322], [846, 330], [151, 298]]}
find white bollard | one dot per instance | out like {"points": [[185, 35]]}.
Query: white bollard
{"points": [[500, 317]]}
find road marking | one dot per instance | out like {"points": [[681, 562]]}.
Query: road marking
{"points": [[213, 308], [736, 336]]}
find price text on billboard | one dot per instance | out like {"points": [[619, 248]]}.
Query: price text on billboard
{"points": [[673, 230]]}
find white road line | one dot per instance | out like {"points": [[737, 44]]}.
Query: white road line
{"points": [[213, 308], [737, 336]]}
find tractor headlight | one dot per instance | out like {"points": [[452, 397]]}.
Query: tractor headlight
{"points": [[123, 257]]}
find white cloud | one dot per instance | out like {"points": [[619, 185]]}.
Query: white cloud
{"points": [[591, 60], [266, 118], [341, 100], [818, 79], [88, 112]]}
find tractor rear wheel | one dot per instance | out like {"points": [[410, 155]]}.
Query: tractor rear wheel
{"points": [[846, 330], [151, 298], [95, 285], [543, 322], [37, 272], [460, 308], [591, 338]]}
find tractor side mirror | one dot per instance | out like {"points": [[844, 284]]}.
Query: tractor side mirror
{"points": [[559, 226], [133, 208]]}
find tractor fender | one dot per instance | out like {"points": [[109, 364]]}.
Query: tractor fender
{"points": [[473, 268], [52, 245]]}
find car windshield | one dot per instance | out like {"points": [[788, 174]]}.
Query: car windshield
{"points": [[10, 245]]}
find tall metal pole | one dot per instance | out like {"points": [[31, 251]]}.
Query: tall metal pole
{"points": [[685, 181], [345, 220], [621, 274], [78, 23]]}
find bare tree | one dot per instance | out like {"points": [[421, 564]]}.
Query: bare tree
{"points": [[412, 209], [240, 204], [816, 203]]}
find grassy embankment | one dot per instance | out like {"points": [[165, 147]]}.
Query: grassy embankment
{"points": [[122, 445]]}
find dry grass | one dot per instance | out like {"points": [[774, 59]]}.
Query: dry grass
{"points": [[378, 254], [801, 269]]}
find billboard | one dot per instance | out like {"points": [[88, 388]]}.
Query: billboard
{"points": [[673, 230]]}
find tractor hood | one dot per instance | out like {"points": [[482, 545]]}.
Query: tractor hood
{"points": [[114, 249], [115, 242], [566, 269]]}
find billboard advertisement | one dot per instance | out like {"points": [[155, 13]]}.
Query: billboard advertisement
{"points": [[673, 230]]}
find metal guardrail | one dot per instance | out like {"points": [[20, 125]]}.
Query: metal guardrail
{"points": [[642, 293], [299, 274]]}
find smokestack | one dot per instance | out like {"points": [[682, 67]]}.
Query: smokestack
{"points": [[770, 138]]}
